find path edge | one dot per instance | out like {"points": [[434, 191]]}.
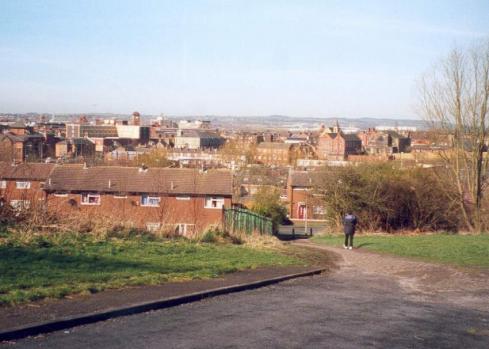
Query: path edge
{"points": [[78, 320]]}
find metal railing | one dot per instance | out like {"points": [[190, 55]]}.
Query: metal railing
{"points": [[245, 221]]}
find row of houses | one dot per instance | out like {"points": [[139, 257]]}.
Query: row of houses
{"points": [[182, 199]]}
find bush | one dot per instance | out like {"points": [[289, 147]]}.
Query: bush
{"points": [[386, 198], [210, 236], [267, 203]]}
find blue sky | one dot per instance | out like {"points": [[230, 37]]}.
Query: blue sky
{"points": [[301, 58]]}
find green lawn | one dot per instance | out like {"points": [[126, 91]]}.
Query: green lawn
{"points": [[43, 269], [461, 250]]}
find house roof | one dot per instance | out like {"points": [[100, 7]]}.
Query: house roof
{"points": [[27, 171], [274, 145], [22, 138], [203, 134], [393, 134], [303, 179], [136, 180], [18, 124], [351, 137]]}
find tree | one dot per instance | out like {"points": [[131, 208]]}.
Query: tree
{"points": [[454, 99], [154, 158], [267, 203]]}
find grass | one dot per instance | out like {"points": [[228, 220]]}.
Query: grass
{"points": [[55, 268], [460, 250]]}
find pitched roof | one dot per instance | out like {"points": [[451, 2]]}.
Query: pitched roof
{"points": [[27, 171], [135, 180], [351, 137], [18, 124], [393, 134], [21, 138], [303, 179], [199, 134], [274, 145]]}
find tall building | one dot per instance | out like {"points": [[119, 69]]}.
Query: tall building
{"points": [[136, 119]]}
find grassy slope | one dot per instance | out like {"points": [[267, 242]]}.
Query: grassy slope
{"points": [[462, 250], [33, 271]]}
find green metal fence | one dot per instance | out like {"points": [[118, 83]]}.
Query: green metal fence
{"points": [[244, 221]]}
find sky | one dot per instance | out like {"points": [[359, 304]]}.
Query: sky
{"points": [[298, 58]]}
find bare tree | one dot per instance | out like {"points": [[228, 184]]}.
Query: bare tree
{"points": [[454, 100]]}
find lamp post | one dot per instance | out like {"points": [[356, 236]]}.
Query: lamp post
{"points": [[306, 209]]}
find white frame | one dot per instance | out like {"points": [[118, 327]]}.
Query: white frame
{"points": [[20, 204], [3, 184], [183, 197], [119, 196], [88, 196], [149, 197], [153, 226], [61, 195], [23, 185], [220, 201], [182, 228]]}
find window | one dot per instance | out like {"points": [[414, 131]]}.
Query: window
{"points": [[3, 184], [20, 204], [61, 195], [23, 185], [214, 202], [90, 199], [120, 196], [153, 226], [183, 197], [184, 228], [151, 201]]}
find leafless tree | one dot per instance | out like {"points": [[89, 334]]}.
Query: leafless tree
{"points": [[454, 98]]}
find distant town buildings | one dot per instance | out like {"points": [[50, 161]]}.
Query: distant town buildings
{"points": [[180, 174]]}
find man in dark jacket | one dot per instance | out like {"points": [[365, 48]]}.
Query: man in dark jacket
{"points": [[349, 224]]}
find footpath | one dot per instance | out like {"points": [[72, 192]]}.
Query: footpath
{"points": [[56, 314], [423, 281]]}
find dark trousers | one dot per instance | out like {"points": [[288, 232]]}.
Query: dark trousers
{"points": [[349, 240]]}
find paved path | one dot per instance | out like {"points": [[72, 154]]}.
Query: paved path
{"points": [[366, 304]]}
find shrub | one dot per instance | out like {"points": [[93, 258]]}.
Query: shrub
{"points": [[267, 203], [209, 236], [386, 198]]}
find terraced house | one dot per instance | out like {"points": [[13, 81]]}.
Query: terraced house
{"points": [[177, 200], [182, 200], [21, 185]]}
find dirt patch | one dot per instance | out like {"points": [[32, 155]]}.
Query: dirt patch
{"points": [[422, 280]]}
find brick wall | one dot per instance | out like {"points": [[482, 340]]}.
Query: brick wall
{"points": [[129, 209]]}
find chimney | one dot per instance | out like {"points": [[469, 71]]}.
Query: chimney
{"points": [[110, 184]]}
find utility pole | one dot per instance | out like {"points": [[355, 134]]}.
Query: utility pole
{"points": [[305, 225]]}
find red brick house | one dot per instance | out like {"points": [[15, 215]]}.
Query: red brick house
{"points": [[20, 144], [180, 200], [333, 144], [302, 203], [384, 142], [21, 185]]}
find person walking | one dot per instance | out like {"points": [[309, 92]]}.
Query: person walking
{"points": [[349, 225]]}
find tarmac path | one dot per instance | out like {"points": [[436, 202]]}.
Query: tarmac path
{"points": [[371, 301]]}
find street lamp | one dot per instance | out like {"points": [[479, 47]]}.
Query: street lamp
{"points": [[305, 225]]}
